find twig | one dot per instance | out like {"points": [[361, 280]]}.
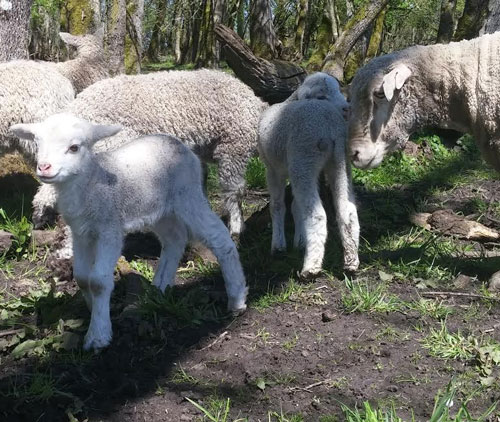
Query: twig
{"points": [[461, 294], [9, 332], [316, 384], [215, 341]]}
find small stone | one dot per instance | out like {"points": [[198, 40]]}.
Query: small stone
{"points": [[5, 241], [462, 282], [494, 285], [392, 388], [186, 417], [327, 316], [44, 237], [305, 353]]}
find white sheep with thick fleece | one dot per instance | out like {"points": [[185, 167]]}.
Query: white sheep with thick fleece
{"points": [[150, 183]]}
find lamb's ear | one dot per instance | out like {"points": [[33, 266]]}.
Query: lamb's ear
{"points": [[24, 130], [395, 80], [97, 132]]}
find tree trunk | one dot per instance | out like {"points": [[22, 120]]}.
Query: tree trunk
{"points": [[133, 39], [355, 27], [115, 40], [157, 33], [14, 29], [327, 34], [472, 19], [446, 21], [45, 27], [263, 40], [375, 37], [273, 81], [492, 22], [240, 18], [300, 25], [78, 16], [218, 17]]}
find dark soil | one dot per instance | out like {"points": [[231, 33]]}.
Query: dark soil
{"points": [[303, 356]]}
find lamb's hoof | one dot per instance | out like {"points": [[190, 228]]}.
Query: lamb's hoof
{"points": [[350, 268], [94, 342], [239, 311], [237, 307], [310, 275]]}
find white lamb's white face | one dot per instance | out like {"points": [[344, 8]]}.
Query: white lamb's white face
{"points": [[321, 86], [64, 144]]}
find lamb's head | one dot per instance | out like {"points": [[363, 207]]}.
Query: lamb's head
{"points": [[86, 45], [64, 144], [383, 113], [321, 86]]}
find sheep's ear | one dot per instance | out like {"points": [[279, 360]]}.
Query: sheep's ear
{"points": [[69, 39], [24, 130], [395, 80], [97, 132]]}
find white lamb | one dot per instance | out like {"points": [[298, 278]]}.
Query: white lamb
{"points": [[153, 182], [299, 139]]}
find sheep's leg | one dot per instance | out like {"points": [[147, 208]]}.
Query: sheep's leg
{"points": [[44, 206], [107, 251], [298, 220], [206, 226], [338, 174], [173, 237], [84, 249], [304, 179], [232, 183], [276, 183]]}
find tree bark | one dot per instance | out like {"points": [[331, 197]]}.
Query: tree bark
{"points": [[446, 21], [133, 38], [492, 22], [14, 29], [300, 26], [472, 19], [273, 81], [375, 37], [157, 33], [327, 34], [44, 37], [115, 40], [355, 27], [263, 39]]}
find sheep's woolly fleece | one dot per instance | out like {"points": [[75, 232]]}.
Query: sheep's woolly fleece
{"points": [[454, 86], [29, 91]]}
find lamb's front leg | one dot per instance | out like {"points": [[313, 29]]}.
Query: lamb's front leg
{"points": [[84, 253], [107, 252], [339, 178]]}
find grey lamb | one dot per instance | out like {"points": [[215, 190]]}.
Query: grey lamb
{"points": [[153, 182], [299, 139], [213, 113]]}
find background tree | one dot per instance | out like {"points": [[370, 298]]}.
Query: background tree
{"points": [[14, 29]]}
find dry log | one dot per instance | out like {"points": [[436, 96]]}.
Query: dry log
{"points": [[271, 80]]}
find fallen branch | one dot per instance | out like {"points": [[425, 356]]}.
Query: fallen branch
{"points": [[224, 334], [460, 294], [308, 388], [10, 332]]}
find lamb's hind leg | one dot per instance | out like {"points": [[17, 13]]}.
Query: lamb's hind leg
{"points": [[206, 226], [276, 182], [339, 178], [173, 237], [304, 181]]}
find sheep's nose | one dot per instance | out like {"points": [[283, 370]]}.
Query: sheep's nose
{"points": [[44, 167], [355, 155]]}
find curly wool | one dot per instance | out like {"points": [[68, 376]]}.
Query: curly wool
{"points": [[212, 112]]}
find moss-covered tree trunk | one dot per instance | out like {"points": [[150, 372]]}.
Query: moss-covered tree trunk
{"points": [[446, 21], [14, 29], [263, 39], [375, 37], [300, 26], [77, 16], [327, 34], [240, 18], [44, 34], [115, 37], [472, 19], [355, 27], [133, 38], [157, 34]]}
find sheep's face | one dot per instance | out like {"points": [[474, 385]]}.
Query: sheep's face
{"points": [[379, 121], [64, 145]]}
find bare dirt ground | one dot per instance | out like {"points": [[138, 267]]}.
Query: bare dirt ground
{"points": [[297, 354]]}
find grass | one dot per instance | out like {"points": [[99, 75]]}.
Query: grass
{"points": [[365, 297], [443, 344]]}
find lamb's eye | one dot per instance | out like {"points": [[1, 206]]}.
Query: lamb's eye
{"points": [[74, 148]]}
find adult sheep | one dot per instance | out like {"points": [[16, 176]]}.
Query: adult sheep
{"points": [[212, 112], [453, 86], [31, 91]]}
